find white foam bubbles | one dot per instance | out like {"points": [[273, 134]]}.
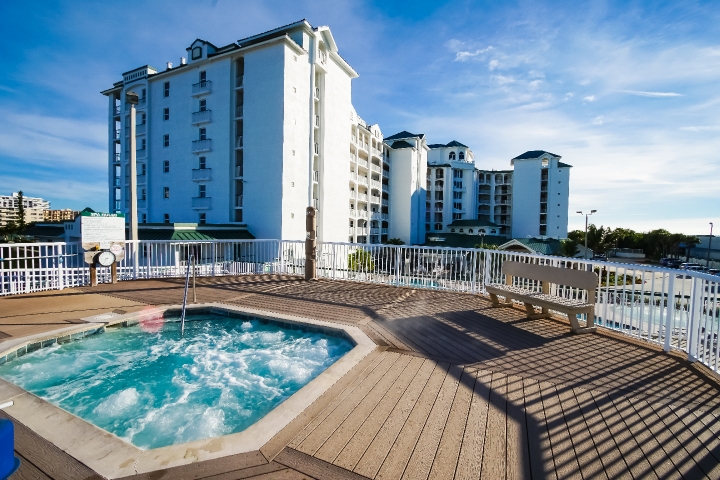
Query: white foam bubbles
{"points": [[118, 403]]}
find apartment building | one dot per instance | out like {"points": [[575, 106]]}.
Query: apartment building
{"points": [[34, 208], [60, 215], [252, 133]]}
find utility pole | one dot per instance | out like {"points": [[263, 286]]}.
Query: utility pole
{"points": [[586, 230], [709, 244]]}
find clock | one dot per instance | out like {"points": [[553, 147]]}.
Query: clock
{"points": [[105, 258]]}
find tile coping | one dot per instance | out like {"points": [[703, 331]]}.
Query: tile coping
{"points": [[113, 457]]}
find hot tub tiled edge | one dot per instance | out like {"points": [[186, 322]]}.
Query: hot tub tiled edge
{"points": [[112, 457]]}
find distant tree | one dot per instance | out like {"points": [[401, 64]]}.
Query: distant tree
{"points": [[568, 247], [394, 241], [21, 211], [486, 246], [360, 260]]}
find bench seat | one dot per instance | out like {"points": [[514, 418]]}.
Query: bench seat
{"points": [[518, 293]]}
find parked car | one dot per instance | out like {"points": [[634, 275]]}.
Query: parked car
{"points": [[673, 262], [664, 261], [690, 266], [600, 256], [714, 271]]}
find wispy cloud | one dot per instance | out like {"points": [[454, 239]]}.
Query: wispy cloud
{"points": [[589, 98], [702, 128], [653, 94], [464, 56]]}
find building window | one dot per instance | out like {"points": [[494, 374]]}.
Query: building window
{"points": [[461, 156], [142, 144], [166, 166], [202, 191], [451, 156], [203, 134], [202, 219], [457, 216], [203, 105], [166, 217], [144, 218], [166, 140], [166, 89], [457, 173], [143, 170], [457, 206], [203, 76], [196, 53], [143, 194], [166, 114], [438, 226], [166, 192], [439, 173], [202, 163], [457, 195], [457, 184]]}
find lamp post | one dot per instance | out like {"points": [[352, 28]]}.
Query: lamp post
{"points": [[482, 238], [709, 244], [586, 229], [133, 100]]}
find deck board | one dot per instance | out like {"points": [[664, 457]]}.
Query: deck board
{"points": [[455, 389]]}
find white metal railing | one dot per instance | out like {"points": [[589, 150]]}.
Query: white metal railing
{"points": [[201, 145], [239, 81], [238, 141], [676, 309], [201, 116], [201, 87]]}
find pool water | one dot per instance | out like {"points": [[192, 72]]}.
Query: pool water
{"points": [[157, 388]]}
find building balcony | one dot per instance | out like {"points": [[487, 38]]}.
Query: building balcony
{"points": [[238, 171], [359, 213], [239, 80], [116, 136], [316, 203], [375, 199], [116, 111], [201, 203], [385, 188], [362, 163], [317, 121], [384, 202], [316, 176], [238, 141], [116, 158], [352, 212], [201, 174], [361, 230], [201, 88], [239, 111], [199, 146], [203, 116], [384, 231], [140, 128], [375, 184], [362, 197], [384, 216], [141, 153], [353, 159], [317, 93], [353, 177], [238, 201], [375, 231], [142, 179], [375, 168], [362, 180]]}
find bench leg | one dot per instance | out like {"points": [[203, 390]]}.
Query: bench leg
{"points": [[531, 312], [590, 328], [496, 303]]}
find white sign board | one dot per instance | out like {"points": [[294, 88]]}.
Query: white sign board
{"points": [[102, 229]]}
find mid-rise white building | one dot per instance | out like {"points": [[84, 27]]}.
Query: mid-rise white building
{"points": [[252, 133], [34, 208]]}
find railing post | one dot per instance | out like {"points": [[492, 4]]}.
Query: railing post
{"points": [[695, 312], [669, 311], [213, 255], [472, 272], [397, 265]]}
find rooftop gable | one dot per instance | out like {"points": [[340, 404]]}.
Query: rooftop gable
{"points": [[534, 154], [405, 134]]}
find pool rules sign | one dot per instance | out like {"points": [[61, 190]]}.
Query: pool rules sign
{"points": [[103, 239]]}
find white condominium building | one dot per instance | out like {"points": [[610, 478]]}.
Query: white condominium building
{"points": [[252, 133], [34, 208]]}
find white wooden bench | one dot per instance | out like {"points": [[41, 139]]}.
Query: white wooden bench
{"points": [[547, 275]]}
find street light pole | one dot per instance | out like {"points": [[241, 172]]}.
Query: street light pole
{"points": [[132, 99], [709, 244], [586, 230]]}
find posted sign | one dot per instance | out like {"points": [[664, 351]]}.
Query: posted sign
{"points": [[103, 231]]}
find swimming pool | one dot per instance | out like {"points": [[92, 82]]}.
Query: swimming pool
{"points": [[153, 387]]}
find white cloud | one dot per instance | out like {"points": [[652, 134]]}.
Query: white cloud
{"points": [[589, 98], [653, 94], [493, 65], [702, 128], [464, 55], [598, 120]]}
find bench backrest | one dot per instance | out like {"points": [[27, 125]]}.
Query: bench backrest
{"points": [[544, 273]]}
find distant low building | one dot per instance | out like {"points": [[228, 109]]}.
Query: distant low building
{"points": [[59, 215], [34, 208]]}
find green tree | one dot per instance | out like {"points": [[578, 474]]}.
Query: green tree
{"points": [[21, 211], [360, 260], [568, 247]]}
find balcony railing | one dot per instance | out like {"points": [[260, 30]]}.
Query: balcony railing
{"points": [[203, 116], [239, 81], [375, 168], [384, 202], [317, 92], [117, 134], [201, 174], [140, 129], [385, 187], [238, 141], [362, 213], [316, 176], [362, 197], [317, 121], [201, 203], [116, 111], [362, 163], [238, 111], [353, 158], [199, 146], [202, 88], [238, 170], [117, 158], [238, 201], [141, 179], [362, 180], [140, 153], [375, 184], [375, 199], [374, 231], [316, 203], [384, 231]]}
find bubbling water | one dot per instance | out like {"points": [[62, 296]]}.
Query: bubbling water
{"points": [[153, 387]]}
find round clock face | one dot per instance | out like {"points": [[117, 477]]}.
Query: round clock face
{"points": [[106, 259]]}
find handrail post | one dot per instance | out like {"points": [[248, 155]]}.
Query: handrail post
{"points": [[669, 311], [695, 312]]}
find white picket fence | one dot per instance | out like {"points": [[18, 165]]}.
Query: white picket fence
{"points": [[676, 309]]}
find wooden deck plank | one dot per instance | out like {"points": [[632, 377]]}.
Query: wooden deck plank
{"points": [[518, 458], [286, 435], [539, 449], [232, 464], [473, 441], [700, 444], [495, 451], [313, 467], [284, 474], [375, 454], [566, 464], [421, 460], [632, 450], [27, 471], [252, 472], [587, 456], [325, 412], [445, 462], [401, 450], [312, 443], [361, 440], [335, 443]]}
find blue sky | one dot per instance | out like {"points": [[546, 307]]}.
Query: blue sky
{"points": [[626, 92]]}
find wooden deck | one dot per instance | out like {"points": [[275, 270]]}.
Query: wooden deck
{"points": [[455, 389]]}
